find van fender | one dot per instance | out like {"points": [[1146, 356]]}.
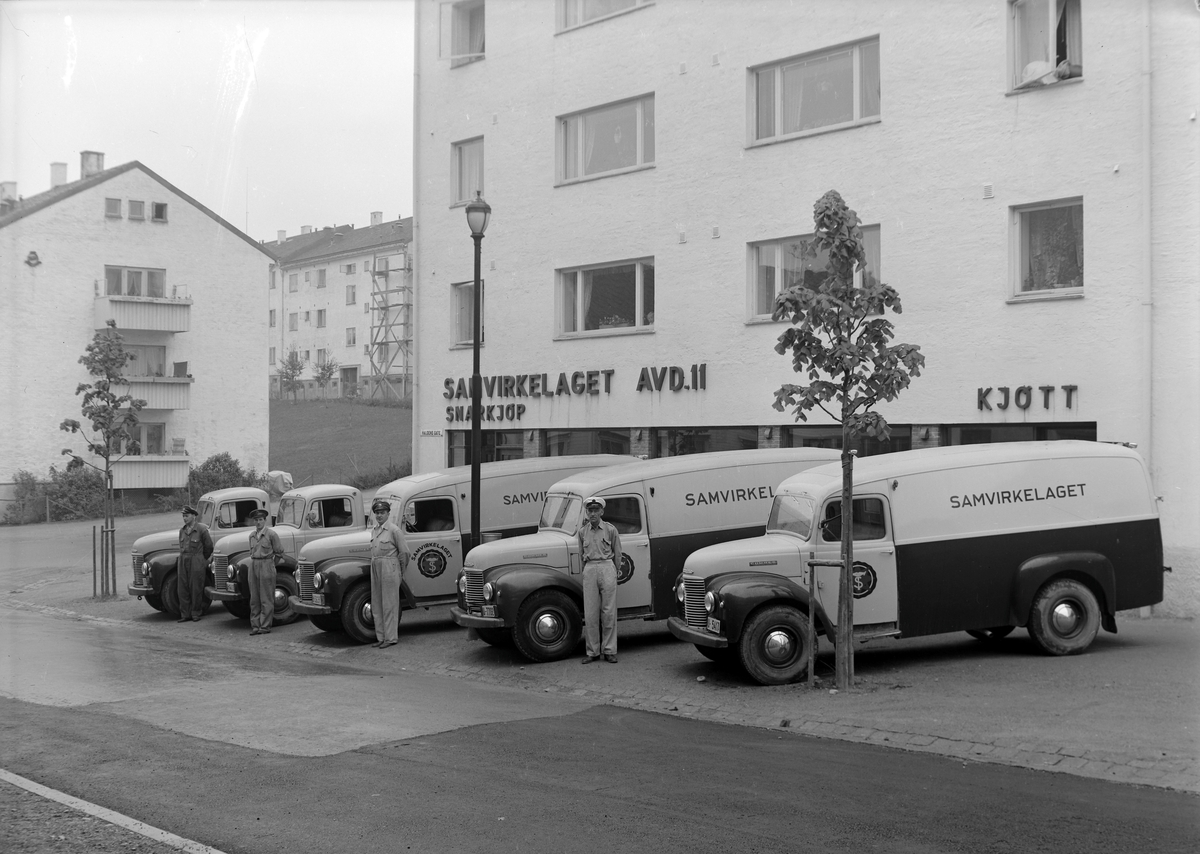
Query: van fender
{"points": [[1090, 568], [515, 583], [161, 563], [742, 593], [339, 577]]}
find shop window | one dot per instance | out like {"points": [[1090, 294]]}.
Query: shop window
{"points": [[1049, 239], [609, 139], [1045, 42], [982, 434], [496, 445], [681, 441], [831, 437], [798, 262], [606, 298], [567, 443], [468, 169], [818, 91]]}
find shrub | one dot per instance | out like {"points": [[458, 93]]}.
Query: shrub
{"points": [[77, 492], [220, 471], [29, 503], [372, 479]]}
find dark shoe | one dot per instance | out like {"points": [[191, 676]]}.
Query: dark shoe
{"points": [[386, 644], [590, 659], [611, 659], [264, 631], [182, 620], [377, 644], [195, 619], [255, 632]]}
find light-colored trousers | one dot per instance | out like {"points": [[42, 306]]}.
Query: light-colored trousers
{"points": [[385, 597], [600, 607], [262, 592]]}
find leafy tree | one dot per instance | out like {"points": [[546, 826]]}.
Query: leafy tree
{"points": [[325, 372], [839, 331], [289, 371], [111, 416]]}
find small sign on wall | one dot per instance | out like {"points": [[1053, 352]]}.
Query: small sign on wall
{"points": [[431, 434]]}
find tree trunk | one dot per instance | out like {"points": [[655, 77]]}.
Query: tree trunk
{"points": [[844, 652]]}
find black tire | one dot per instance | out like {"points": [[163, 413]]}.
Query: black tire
{"points": [[1065, 617], [285, 586], [356, 613], [774, 645], [169, 593], [496, 637], [326, 622], [240, 608], [549, 626], [991, 635], [719, 654], [155, 602]]}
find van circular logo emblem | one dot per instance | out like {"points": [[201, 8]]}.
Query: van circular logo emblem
{"points": [[865, 579], [626, 571], [431, 559]]}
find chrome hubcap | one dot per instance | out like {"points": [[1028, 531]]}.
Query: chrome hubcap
{"points": [[1065, 618], [366, 614], [547, 626], [779, 646], [280, 598]]}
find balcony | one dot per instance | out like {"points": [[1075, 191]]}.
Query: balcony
{"points": [[162, 392], [149, 314], [155, 471]]}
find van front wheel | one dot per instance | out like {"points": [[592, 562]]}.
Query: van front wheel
{"points": [[548, 626], [1065, 617], [774, 646]]}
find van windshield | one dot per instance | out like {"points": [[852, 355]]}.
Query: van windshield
{"points": [[291, 512], [206, 513], [561, 512], [792, 513]]}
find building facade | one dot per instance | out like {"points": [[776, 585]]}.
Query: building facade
{"points": [[1026, 173], [182, 285], [344, 296]]}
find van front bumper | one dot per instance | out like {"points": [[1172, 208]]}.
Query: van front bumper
{"points": [[700, 637], [474, 621], [302, 607], [140, 590], [219, 594]]}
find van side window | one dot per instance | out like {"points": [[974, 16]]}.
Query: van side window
{"points": [[434, 514], [331, 513], [235, 514], [868, 520], [625, 514]]}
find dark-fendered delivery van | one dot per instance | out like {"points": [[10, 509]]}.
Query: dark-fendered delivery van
{"points": [[1053, 536]]}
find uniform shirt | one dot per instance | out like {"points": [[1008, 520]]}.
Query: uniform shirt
{"points": [[265, 544], [388, 541], [195, 540], [601, 543]]}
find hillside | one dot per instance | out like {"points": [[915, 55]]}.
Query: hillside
{"points": [[337, 441]]}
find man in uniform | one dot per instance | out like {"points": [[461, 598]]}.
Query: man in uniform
{"points": [[195, 548], [264, 548], [389, 556], [600, 547]]}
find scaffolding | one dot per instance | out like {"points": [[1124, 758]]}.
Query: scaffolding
{"points": [[390, 348]]}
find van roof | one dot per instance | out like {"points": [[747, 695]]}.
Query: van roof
{"points": [[505, 468], [903, 463], [596, 480]]}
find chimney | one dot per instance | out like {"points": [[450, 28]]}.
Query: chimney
{"points": [[281, 235], [306, 229], [58, 174], [90, 163], [376, 217]]}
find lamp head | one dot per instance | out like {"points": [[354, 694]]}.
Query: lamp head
{"points": [[478, 214]]}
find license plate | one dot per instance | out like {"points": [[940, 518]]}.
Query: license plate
{"points": [[714, 626], [489, 610], [318, 598], [231, 586]]}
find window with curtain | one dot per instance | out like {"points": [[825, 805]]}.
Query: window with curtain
{"points": [[464, 312], [1045, 41], [134, 282], [320, 318], [607, 139], [796, 261], [574, 13], [147, 360], [817, 91], [462, 31], [604, 298], [1051, 247], [468, 169]]}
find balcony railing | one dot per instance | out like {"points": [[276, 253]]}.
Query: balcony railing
{"points": [[162, 392], [151, 314], [150, 471]]}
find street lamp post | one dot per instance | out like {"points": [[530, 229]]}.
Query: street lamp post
{"points": [[478, 214]]}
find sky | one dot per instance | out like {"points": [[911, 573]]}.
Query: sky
{"points": [[275, 114]]}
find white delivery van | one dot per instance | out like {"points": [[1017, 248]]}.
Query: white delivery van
{"points": [[1053, 536], [529, 588], [333, 575]]}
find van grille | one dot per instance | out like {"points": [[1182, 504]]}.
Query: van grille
{"points": [[693, 602], [474, 592], [305, 571], [137, 568], [220, 568]]}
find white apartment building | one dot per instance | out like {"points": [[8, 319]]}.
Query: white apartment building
{"points": [[1027, 173], [344, 295], [183, 286]]}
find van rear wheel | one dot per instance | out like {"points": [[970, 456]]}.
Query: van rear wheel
{"points": [[548, 626], [991, 635], [1065, 617], [774, 646]]}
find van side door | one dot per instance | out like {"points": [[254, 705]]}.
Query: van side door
{"points": [[627, 514], [874, 574], [432, 532]]}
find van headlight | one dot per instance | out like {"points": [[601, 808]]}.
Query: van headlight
{"points": [[318, 581], [680, 594], [710, 601], [488, 592], [462, 582]]}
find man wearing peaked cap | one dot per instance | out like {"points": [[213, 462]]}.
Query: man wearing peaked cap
{"points": [[195, 548], [600, 548], [389, 556], [265, 548]]}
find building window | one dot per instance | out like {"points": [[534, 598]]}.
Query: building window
{"points": [[574, 13], [464, 312], [1050, 245], [272, 280], [982, 434], [272, 318], [146, 360], [607, 139], [495, 445], [349, 268], [293, 322], [680, 441], [112, 208], [135, 282], [468, 169], [793, 261], [1045, 41], [831, 437], [815, 91], [158, 211], [381, 264], [351, 336], [150, 437], [271, 357], [137, 210], [351, 295], [307, 278], [567, 443], [320, 357], [462, 32], [321, 278], [292, 284], [320, 318], [615, 296]]}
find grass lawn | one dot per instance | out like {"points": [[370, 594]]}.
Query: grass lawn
{"points": [[336, 440]]}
